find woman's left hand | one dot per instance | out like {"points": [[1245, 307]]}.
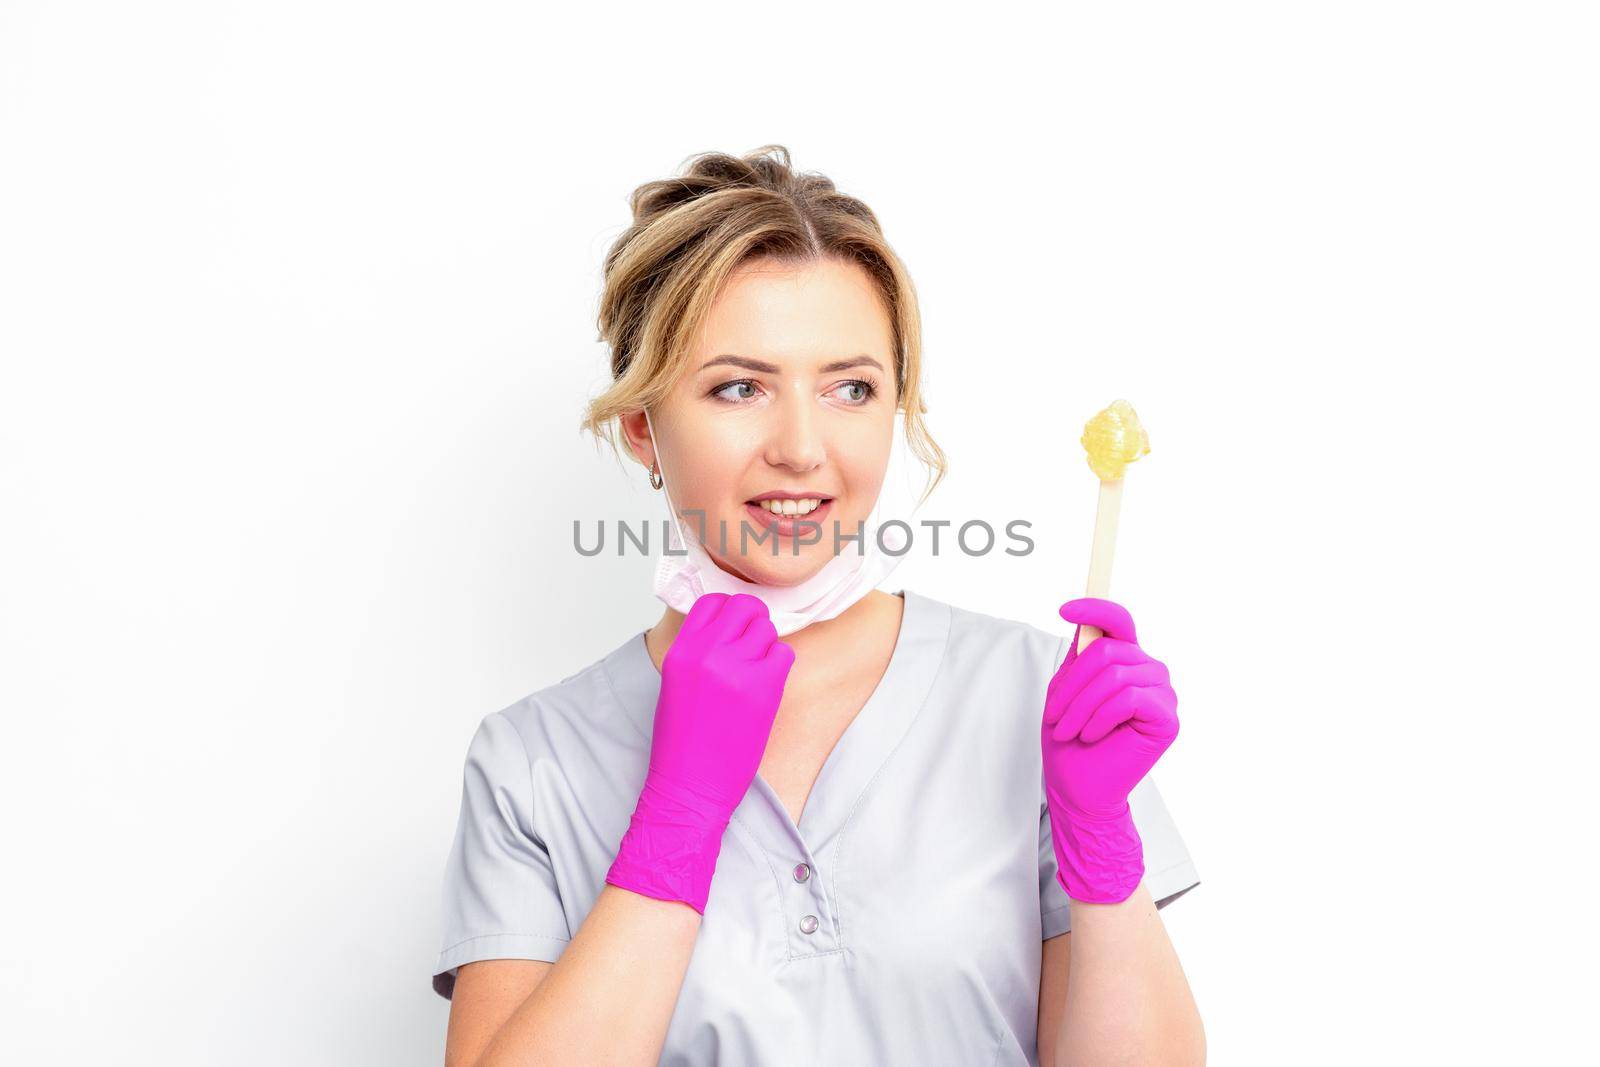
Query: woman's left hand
{"points": [[1109, 714]]}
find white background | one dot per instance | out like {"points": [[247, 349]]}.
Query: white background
{"points": [[297, 317]]}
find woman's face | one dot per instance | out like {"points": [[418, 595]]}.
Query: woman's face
{"points": [[789, 394]]}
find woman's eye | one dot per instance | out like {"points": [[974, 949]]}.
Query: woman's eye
{"points": [[861, 391], [742, 383]]}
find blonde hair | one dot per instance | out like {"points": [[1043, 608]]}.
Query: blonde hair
{"points": [[691, 232]]}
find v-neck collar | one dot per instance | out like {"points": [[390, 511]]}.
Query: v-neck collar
{"points": [[861, 750]]}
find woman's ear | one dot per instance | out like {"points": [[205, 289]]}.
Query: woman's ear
{"points": [[636, 431]]}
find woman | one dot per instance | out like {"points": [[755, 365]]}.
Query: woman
{"points": [[864, 843]]}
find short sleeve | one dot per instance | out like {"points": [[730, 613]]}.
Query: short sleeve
{"points": [[1054, 905], [1169, 872], [500, 897]]}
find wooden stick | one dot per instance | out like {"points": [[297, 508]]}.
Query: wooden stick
{"points": [[1100, 553]]}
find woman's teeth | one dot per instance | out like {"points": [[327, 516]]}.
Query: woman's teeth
{"points": [[789, 507]]}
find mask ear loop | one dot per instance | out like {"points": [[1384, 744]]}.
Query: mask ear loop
{"points": [[672, 509], [651, 427], [677, 524], [684, 543]]}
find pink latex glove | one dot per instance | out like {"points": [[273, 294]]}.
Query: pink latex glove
{"points": [[1109, 714], [721, 682]]}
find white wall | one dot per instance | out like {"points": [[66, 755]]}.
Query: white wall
{"points": [[297, 318]]}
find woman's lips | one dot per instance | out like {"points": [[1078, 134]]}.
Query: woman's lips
{"points": [[788, 525]]}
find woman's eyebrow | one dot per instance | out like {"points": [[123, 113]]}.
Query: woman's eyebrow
{"points": [[763, 367]]}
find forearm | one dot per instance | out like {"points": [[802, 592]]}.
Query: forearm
{"points": [[609, 998], [1127, 1000]]}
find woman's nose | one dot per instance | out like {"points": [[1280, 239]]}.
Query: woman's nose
{"points": [[795, 438]]}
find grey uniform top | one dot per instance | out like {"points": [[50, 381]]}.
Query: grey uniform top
{"points": [[900, 922]]}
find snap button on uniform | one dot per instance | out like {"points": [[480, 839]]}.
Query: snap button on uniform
{"points": [[808, 925], [802, 872]]}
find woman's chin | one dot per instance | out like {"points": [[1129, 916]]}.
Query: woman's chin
{"points": [[797, 570]]}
